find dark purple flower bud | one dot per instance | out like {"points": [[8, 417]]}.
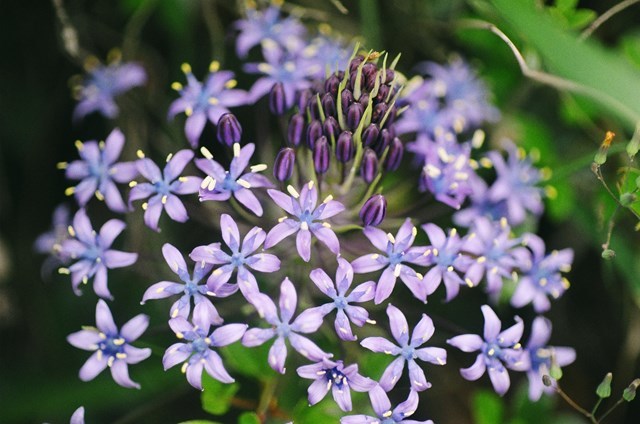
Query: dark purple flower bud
{"points": [[321, 155], [328, 105], [354, 115], [378, 112], [374, 210], [331, 127], [369, 73], [277, 99], [383, 92], [303, 100], [353, 78], [331, 85], [364, 100], [394, 157], [370, 135], [313, 108], [345, 147], [369, 165], [314, 131], [347, 98], [391, 117], [296, 129], [390, 75], [384, 140], [283, 166], [355, 62], [229, 129]]}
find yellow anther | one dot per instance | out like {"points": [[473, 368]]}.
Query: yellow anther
{"points": [[375, 256], [186, 68], [183, 179], [133, 184], [292, 191], [206, 153], [243, 183], [179, 335], [214, 66], [327, 199], [184, 367], [164, 199], [481, 259], [169, 156], [326, 225], [69, 191], [101, 144], [450, 268], [64, 271], [188, 111], [391, 238], [71, 231], [79, 145], [258, 168], [99, 195], [61, 165], [176, 86], [231, 84], [145, 205], [140, 154], [236, 150], [213, 101], [304, 226], [310, 185]]}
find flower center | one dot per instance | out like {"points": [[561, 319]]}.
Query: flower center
{"points": [[335, 376], [111, 346]]}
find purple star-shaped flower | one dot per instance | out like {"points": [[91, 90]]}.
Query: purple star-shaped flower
{"points": [[163, 187], [268, 28], [445, 254], [302, 206], [92, 253], [346, 312], [384, 414], [494, 248], [542, 357], [98, 171], [220, 184], [497, 349], [102, 84], [50, 242], [516, 184], [205, 101], [306, 322], [242, 257], [203, 308], [398, 250], [407, 351], [197, 353], [112, 347], [334, 376], [540, 274]]}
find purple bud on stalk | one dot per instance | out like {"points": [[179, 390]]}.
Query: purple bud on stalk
{"points": [[345, 147], [314, 131], [277, 99], [378, 112], [331, 127], [369, 165], [355, 62], [347, 98], [229, 129], [354, 115], [353, 77], [383, 92], [321, 155], [374, 210], [328, 105], [370, 135], [303, 100], [283, 165], [313, 108], [295, 132], [384, 140], [390, 75], [331, 85], [364, 99], [394, 157]]}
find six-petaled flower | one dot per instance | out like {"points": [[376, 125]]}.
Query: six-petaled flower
{"points": [[92, 253], [111, 347], [408, 350]]}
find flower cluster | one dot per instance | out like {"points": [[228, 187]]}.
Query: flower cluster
{"points": [[351, 115]]}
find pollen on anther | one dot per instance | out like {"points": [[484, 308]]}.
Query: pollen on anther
{"points": [[140, 154], [292, 191], [206, 153], [236, 149]]}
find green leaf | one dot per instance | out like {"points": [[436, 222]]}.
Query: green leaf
{"points": [[487, 408], [251, 362], [602, 74], [248, 418], [566, 5], [216, 397], [581, 18], [630, 45]]}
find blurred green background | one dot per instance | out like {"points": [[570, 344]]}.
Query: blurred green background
{"points": [[599, 316]]}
